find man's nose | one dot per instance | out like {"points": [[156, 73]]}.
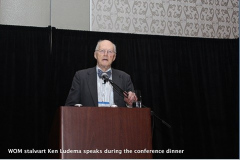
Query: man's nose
{"points": [[105, 53]]}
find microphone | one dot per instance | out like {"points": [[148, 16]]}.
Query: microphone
{"points": [[105, 77]]}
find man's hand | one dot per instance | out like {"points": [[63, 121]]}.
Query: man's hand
{"points": [[131, 98]]}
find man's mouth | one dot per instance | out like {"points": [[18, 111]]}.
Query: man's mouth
{"points": [[104, 59]]}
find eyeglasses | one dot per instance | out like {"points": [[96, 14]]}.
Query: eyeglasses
{"points": [[102, 51]]}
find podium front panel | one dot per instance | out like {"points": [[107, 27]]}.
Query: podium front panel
{"points": [[103, 132]]}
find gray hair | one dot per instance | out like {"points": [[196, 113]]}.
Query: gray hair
{"points": [[114, 46]]}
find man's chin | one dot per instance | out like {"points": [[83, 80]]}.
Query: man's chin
{"points": [[105, 64]]}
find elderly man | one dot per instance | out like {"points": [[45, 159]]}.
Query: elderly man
{"points": [[89, 89]]}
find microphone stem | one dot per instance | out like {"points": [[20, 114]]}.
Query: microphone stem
{"points": [[125, 94]]}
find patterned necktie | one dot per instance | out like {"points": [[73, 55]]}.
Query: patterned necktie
{"points": [[100, 72]]}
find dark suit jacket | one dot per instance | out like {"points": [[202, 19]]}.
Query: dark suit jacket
{"points": [[84, 87]]}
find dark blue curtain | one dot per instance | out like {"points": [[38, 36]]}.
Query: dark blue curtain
{"points": [[191, 83]]}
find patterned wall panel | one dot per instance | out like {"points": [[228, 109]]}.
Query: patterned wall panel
{"points": [[188, 18]]}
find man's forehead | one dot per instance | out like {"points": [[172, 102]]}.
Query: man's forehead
{"points": [[106, 43]]}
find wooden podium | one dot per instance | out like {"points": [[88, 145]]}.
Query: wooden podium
{"points": [[102, 132]]}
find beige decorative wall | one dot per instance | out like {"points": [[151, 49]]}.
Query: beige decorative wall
{"points": [[188, 18]]}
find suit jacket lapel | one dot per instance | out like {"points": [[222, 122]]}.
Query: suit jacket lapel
{"points": [[92, 85]]}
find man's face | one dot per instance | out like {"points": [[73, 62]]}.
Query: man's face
{"points": [[105, 55]]}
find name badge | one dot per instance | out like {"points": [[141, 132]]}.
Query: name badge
{"points": [[103, 104]]}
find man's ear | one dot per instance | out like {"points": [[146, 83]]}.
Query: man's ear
{"points": [[114, 57], [95, 56]]}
